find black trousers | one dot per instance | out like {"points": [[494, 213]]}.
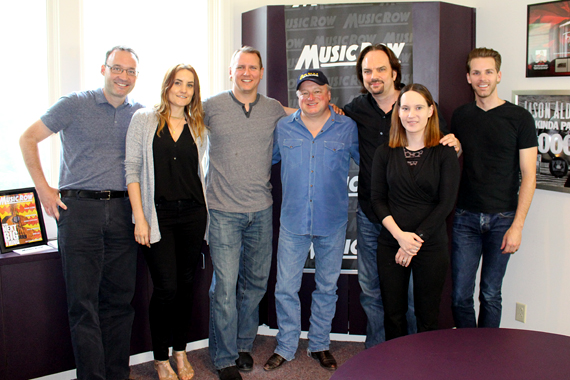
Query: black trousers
{"points": [[99, 257], [428, 268], [172, 263]]}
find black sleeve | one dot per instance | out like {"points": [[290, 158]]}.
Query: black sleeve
{"points": [[527, 131], [379, 185], [454, 121], [348, 109], [442, 122], [448, 187]]}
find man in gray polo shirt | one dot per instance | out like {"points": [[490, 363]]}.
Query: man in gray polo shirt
{"points": [[95, 229], [241, 124]]}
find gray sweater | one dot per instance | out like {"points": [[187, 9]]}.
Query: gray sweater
{"points": [[139, 163], [240, 153]]}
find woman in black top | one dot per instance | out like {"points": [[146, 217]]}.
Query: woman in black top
{"points": [[166, 163], [414, 187]]}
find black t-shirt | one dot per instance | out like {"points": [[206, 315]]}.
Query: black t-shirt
{"points": [[373, 130], [491, 141], [176, 167]]}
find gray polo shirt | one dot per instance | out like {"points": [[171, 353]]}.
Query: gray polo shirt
{"points": [[240, 152], [92, 134]]}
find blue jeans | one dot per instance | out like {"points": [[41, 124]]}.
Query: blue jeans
{"points": [[240, 247], [370, 298], [476, 235], [291, 257], [99, 255]]}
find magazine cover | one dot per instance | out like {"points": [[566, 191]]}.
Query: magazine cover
{"points": [[20, 220]]}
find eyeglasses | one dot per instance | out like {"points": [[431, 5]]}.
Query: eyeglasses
{"points": [[119, 70]]}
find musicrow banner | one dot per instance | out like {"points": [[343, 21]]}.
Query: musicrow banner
{"points": [[330, 38]]}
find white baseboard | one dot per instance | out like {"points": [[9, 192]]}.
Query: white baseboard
{"points": [[147, 356], [67, 375], [134, 360], [266, 330]]}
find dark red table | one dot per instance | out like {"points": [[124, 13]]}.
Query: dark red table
{"points": [[464, 354]]}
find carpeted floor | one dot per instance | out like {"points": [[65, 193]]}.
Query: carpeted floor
{"points": [[302, 368]]}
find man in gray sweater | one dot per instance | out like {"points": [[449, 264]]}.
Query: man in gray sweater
{"points": [[241, 124]]}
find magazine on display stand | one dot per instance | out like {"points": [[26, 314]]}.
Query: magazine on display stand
{"points": [[23, 229]]}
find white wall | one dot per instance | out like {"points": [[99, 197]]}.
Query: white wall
{"points": [[537, 273]]}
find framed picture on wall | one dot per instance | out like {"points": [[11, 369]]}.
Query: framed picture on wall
{"points": [[22, 220], [548, 39], [551, 113]]}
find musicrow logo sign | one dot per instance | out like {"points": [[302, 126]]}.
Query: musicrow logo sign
{"points": [[352, 183], [338, 55]]}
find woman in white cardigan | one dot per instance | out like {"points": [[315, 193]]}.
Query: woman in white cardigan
{"points": [[166, 164]]}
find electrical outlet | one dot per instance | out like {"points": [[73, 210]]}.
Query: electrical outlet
{"points": [[520, 314]]}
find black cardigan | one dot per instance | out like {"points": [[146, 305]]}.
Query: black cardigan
{"points": [[419, 200]]}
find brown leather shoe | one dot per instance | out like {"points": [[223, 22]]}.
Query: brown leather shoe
{"points": [[326, 359], [274, 362]]}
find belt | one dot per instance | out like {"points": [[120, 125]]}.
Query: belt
{"points": [[102, 195], [173, 205]]}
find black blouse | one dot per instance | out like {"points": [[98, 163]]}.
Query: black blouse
{"points": [[373, 131], [176, 167], [419, 200]]}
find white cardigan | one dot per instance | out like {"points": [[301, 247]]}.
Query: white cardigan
{"points": [[139, 164]]}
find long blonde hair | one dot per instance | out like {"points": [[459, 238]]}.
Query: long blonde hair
{"points": [[194, 112]]}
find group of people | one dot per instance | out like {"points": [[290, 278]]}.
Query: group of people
{"points": [[185, 171]]}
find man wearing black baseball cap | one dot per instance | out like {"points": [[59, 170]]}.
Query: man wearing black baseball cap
{"points": [[316, 76], [315, 146]]}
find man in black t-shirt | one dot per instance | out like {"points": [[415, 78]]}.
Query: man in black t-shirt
{"points": [[499, 142], [379, 71]]}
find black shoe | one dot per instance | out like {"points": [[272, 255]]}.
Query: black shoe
{"points": [[274, 362], [229, 373], [244, 362], [326, 359]]}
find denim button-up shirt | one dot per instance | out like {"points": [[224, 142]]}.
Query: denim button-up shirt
{"points": [[314, 173]]}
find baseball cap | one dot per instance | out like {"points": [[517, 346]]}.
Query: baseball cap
{"points": [[316, 76]]}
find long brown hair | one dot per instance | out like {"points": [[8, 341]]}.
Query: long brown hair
{"points": [[432, 133], [194, 112]]}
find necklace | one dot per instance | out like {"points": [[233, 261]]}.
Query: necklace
{"points": [[175, 127]]}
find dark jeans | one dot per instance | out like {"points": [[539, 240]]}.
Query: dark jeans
{"points": [[477, 235], [172, 263], [428, 269], [99, 253]]}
